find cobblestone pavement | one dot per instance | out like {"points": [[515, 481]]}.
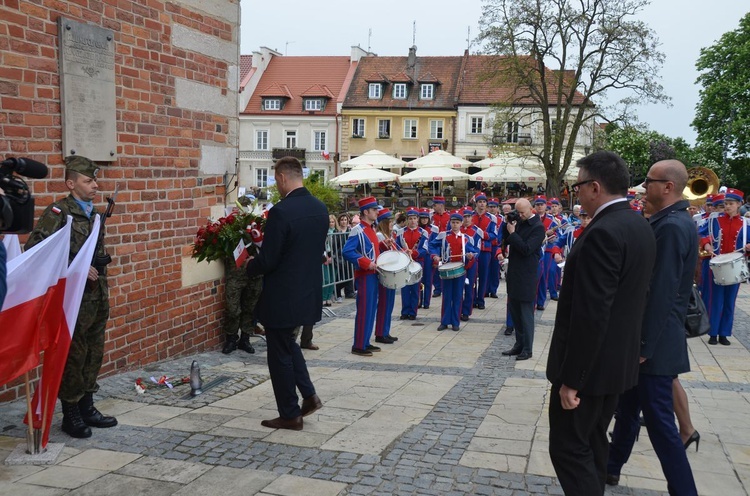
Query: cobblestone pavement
{"points": [[437, 413]]}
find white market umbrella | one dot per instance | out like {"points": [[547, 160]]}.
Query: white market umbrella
{"points": [[439, 158], [509, 158], [364, 174], [375, 158], [433, 173], [640, 189], [507, 174]]}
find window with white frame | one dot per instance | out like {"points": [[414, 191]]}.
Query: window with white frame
{"points": [[261, 140], [477, 125], [511, 133], [358, 128], [272, 104], [375, 90], [291, 139], [384, 128], [410, 128], [399, 91], [261, 178], [313, 104], [427, 91], [436, 129], [319, 140]]}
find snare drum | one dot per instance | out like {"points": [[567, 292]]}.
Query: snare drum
{"points": [[415, 273], [393, 269], [729, 268], [451, 270]]}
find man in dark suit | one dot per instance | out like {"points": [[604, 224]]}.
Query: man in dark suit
{"points": [[293, 240], [525, 239], [663, 347], [595, 343]]}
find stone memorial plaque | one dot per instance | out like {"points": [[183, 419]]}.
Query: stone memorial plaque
{"points": [[87, 88]]}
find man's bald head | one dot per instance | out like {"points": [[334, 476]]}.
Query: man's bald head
{"points": [[673, 170], [665, 183], [523, 207]]}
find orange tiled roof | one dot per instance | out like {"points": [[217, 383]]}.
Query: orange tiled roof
{"points": [[477, 89], [401, 77], [443, 70], [295, 77]]}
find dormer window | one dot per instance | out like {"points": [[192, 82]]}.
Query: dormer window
{"points": [[314, 104], [427, 91], [272, 104], [375, 90], [399, 91]]}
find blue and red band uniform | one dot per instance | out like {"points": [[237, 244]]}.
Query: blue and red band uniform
{"points": [[548, 275], [386, 296], [413, 242], [472, 266], [493, 280], [428, 267], [706, 285], [442, 222], [487, 223]]}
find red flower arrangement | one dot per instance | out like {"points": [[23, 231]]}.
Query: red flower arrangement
{"points": [[217, 240]]}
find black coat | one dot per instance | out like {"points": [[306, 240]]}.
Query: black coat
{"points": [[663, 341], [595, 344], [289, 260], [523, 262]]}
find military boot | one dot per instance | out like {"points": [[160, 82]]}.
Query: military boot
{"points": [[244, 344], [91, 416], [72, 423], [230, 344]]}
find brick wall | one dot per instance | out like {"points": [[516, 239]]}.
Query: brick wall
{"points": [[167, 185]]}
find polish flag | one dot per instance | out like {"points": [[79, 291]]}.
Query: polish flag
{"points": [[45, 395]]}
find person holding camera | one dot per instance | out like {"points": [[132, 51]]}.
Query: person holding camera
{"points": [[78, 383]]}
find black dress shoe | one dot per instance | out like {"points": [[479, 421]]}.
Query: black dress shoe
{"points": [[554, 298], [480, 306], [412, 317], [437, 294], [523, 356], [512, 352], [383, 339], [539, 307], [508, 331], [404, 317], [293, 424], [371, 347], [493, 295], [713, 340], [394, 338], [464, 318], [442, 327], [455, 328], [360, 352], [426, 307], [723, 340], [310, 405], [612, 480]]}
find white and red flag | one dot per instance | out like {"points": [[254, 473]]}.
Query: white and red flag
{"points": [[12, 246]]}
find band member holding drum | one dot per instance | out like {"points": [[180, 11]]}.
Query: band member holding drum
{"points": [[441, 219], [455, 250], [386, 296], [470, 293], [727, 236], [425, 291], [413, 241], [362, 250]]}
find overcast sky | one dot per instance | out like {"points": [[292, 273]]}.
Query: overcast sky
{"points": [[302, 27]]}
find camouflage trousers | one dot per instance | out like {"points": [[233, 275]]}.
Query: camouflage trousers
{"points": [[241, 294], [87, 347]]}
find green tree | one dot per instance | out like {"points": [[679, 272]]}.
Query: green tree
{"points": [[321, 190], [594, 47], [723, 110]]}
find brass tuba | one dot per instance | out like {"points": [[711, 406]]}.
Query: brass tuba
{"points": [[701, 183]]}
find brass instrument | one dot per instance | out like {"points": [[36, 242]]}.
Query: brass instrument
{"points": [[701, 183]]}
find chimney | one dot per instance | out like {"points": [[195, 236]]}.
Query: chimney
{"points": [[412, 59]]}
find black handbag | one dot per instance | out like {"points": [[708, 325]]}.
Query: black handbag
{"points": [[696, 321]]}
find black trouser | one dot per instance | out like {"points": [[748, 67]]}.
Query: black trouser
{"points": [[578, 444], [522, 314], [288, 371]]}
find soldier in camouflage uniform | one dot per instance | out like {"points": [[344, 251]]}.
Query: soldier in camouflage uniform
{"points": [[241, 293], [78, 383]]}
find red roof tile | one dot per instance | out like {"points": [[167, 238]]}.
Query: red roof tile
{"points": [[276, 89], [401, 77], [299, 75], [318, 90], [446, 70], [246, 63]]}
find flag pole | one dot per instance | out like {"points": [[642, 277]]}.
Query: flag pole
{"points": [[30, 444]]}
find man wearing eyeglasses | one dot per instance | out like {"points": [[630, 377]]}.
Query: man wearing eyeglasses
{"points": [[663, 350], [595, 344]]}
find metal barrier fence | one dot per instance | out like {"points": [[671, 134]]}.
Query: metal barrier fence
{"points": [[338, 276]]}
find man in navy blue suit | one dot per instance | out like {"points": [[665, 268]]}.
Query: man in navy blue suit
{"points": [[293, 243], [663, 345]]}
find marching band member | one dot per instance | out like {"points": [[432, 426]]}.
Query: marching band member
{"points": [[487, 230], [493, 280], [386, 296], [453, 246], [726, 232], [441, 219], [473, 232], [425, 291], [362, 250], [548, 274], [413, 241], [705, 283]]}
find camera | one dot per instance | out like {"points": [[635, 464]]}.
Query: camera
{"points": [[512, 216], [17, 204]]}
